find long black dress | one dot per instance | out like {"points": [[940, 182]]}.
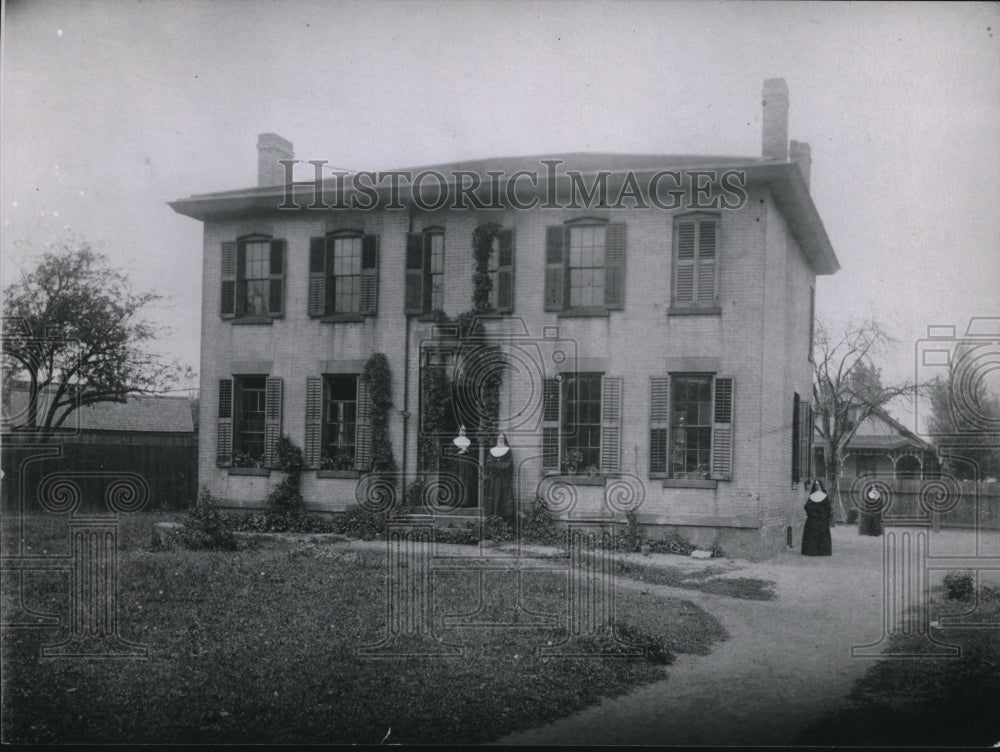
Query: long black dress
{"points": [[816, 535], [499, 482]]}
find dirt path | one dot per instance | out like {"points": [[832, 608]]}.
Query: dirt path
{"points": [[787, 661]]}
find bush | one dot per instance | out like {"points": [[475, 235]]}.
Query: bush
{"points": [[630, 540], [672, 543], [360, 523], [537, 525], [206, 526], [497, 529], [960, 584]]}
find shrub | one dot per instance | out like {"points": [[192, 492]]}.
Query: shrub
{"points": [[960, 584], [360, 523], [206, 526], [537, 525], [497, 529], [630, 540], [671, 543]]}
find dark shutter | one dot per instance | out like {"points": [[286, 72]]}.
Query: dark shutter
{"points": [[228, 305], [314, 420], [272, 420], [706, 293], [555, 270], [241, 288], [414, 272], [611, 423], [369, 275], [317, 276], [505, 272], [363, 430], [805, 440], [659, 422], [550, 424], [722, 429], [684, 263], [796, 444], [224, 438], [276, 290], [614, 265]]}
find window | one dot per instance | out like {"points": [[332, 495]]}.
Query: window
{"points": [[343, 275], [252, 278], [691, 432], [425, 271], [581, 423], [435, 271], [338, 423], [585, 266], [695, 283], [493, 271], [691, 427], [340, 418], [249, 421], [250, 394]]}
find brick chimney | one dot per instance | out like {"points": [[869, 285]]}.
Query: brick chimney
{"points": [[270, 148], [799, 151], [774, 130]]}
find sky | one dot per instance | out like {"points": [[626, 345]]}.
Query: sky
{"points": [[111, 109]]}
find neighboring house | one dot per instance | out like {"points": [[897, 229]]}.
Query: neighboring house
{"points": [[663, 348], [883, 447], [152, 436]]}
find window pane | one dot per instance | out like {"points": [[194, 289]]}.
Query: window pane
{"points": [[340, 422], [582, 420], [690, 426], [249, 433]]}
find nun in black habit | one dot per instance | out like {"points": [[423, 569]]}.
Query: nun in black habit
{"points": [[816, 535]]}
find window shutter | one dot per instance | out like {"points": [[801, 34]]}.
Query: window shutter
{"points": [[614, 266], [659, 422], [611, 419], [684, 264], [505, 272], [722, 429], [555, 269], [805, 440], [224, 438], [414, 272], [317, 276], [275, 298], [550, 424], [272, 420], [796, 438], [706, 294], [228, 279], [314, 420], [369, 275], [363, 435]]}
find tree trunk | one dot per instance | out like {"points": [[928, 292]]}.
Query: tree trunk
{"points": [[833, 488]]}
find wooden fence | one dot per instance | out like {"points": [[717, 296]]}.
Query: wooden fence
{"points": [[943, 501], [171, 472]]}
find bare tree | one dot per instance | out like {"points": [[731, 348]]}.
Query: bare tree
{"points": [[75, 333], [847, 388]]}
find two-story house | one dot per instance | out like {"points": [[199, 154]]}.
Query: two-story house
{"points": [[654, 313]]}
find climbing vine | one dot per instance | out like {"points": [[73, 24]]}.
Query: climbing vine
{"points": [[438, 393], [378, 378]]}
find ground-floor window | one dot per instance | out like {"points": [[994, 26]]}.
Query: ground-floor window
{"points": [[250, 418], [340, 419]]}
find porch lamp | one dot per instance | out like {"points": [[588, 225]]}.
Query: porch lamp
{"points": [[461, 441], [501, 448]]}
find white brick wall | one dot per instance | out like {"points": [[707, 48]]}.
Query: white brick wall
{"points": [[760, 338]]}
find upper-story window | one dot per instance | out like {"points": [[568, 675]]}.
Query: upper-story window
{"points": [[343, 275], [253, 278], [425, 271], [695, 262], [585, 266]]}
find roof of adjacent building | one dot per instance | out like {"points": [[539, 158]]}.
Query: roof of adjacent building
{"points": [[783, 178], [141, 413], [901, 437]]}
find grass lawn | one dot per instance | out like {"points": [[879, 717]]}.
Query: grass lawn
{"points": [[927, 701], [259, 646]]}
